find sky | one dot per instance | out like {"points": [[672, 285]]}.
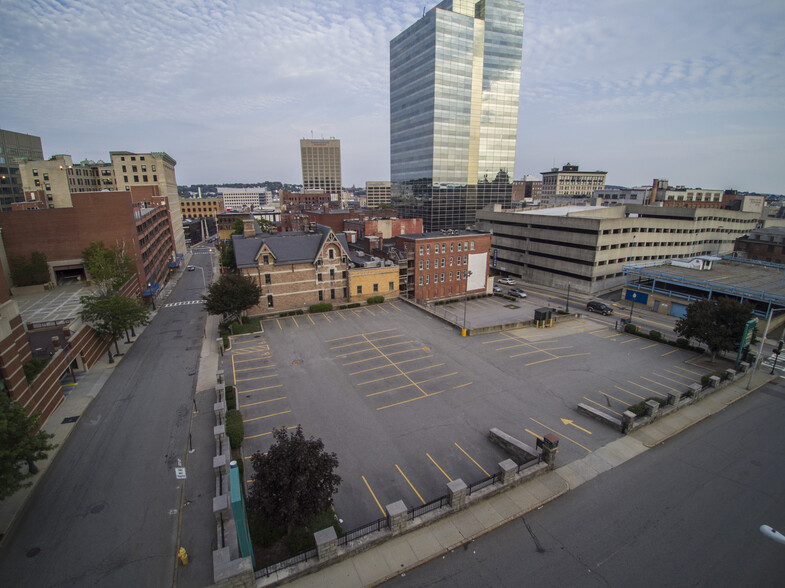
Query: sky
{"points": [[691, 91]]}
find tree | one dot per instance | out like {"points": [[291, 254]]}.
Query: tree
{"points": [[110, 315], [237, 226], [227, 257], [718, 324], [26, 272], [232, 294], [21, 444], [294, 480], [109, 268]]}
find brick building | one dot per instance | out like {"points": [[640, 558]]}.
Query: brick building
{"points": [[201, 207], [443, 264], [294, 269], [298, 200], [766, 244]]}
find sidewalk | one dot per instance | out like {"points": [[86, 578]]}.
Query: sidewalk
{"points": [[407, 551], [64, 418]]}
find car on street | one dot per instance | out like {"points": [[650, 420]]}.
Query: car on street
{"points": [[601, 307], [506, 281], [518, 293], [190, 268]]}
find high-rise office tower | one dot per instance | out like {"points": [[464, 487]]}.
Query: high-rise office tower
{"points": [[15, 147], [321, 161], [454, 88]]}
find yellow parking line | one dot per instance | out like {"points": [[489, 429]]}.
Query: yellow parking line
{"points": [[262, 402], [340, 315], [435, 378], [279, 324], [539, 351], [253, 359], [630, 393], [533, 433], [669, 352], [327, 317], [384, 310], [449, 479], [390, 390], [267, 416], [648, 346], [390, 344], [341, 338], [630, 340], [688, 371], [390, 337], [253, 369], [376, 500], [267, 433], [259, 389], [472, 459], [417, 397], [675, 374], [255, 378], [616, 399], [654, 382], [427, 367], [295, 322], [369, 310], [562, 435], [234, 376], [602, 406], [310, 319], [410, 484], [347, 345], [558, 357], [376, 332], [381, 367], [398, 375], [413, 359]]}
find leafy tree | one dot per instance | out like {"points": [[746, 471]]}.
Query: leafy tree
{"points": [[237, 226], [110, 315], [267, 226], [21, 444], [232, 294], [27, 272], [294, 480], [109, 268], [227, 257], [718, 324]]}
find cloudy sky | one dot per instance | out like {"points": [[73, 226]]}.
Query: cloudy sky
{"points": [[688, 90]]}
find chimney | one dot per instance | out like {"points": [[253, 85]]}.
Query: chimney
{"points": [[248, 230]]}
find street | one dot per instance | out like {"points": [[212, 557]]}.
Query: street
{"points": [[686, 513], [108, 511]]}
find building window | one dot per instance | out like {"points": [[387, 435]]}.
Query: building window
{"points": [[344, 292], [269, 301], [427, 264], [427, 279], [420, 280], [376, 287], [268, 279], [458, 262], [155, 178], [421, 264], [265, 259], [321, 296], [332, 293], [465, 260], [360, 289], [452, 246], [46, 177], [391, 286], [38, 182], [152, 168], [124, 170], [451, 260], [472, 245], [136, 178], [444, 247], [133, 168], [442, 276], [421, 249], [444, 264], [319, 276], [144, 167], [451, 276], [344, 274], [331, 253], [459, 246], [144, 178], [35, 172], [133, 158], [427, 249], [332, 274]]}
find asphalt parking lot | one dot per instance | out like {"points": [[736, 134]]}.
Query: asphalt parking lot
{"points": [[406, 402]]}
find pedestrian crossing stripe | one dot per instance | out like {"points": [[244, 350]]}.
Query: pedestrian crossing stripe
{"points": [[184, 303]]}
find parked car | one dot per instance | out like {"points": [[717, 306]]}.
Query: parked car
{"points": [[600, 307], [498, 289], [506, 281], [518, 293], [190, 268]]}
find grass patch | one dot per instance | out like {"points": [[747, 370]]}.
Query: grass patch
{"points": [[231, 401], [34, 367], [234, 428]]}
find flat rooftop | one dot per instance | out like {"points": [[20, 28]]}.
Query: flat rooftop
{"points": [[59, 304]]}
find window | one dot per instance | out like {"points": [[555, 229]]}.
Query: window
{"points": [[321, 296], [133, 158], [144, 178], [332, 293], [319, 276], [452, 246], [458, 262], [133, 168], [268, 279], [391, 286], [376, 287], [465, 260], [331, 253], [443, 262], [332, 274], [344, 292], [38, 182], [35, 172], [344, 274], [465, 245], [451, 260], [472, 245], [155, 178], [124, 170], [360, 289], [269, 301], [420, 280], [427, 249], [152, 168], [444, 247], [122, 159], [141, 157], [421, 264], [427, 264], [442, 276], [451, 276], [421, 249], [459, 245], [144, 167], [136, 178], [48, 186], [46, 177], [427, 279]]}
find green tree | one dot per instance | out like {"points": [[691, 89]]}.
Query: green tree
{"points": [[109, 268], [237, 226], [718, 324], [294, 480], [27, 272], [267, 226], [227, 257], [21, 444], [110, 315], [232, 294]]}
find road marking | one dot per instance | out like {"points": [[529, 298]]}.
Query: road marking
{"points": [[602, 405], [630, 340], [533, 433], [427, 367], [471, 458], [572, 424], [396, 367], [624, 402], [346, 345], [667, 378], [260, 389], [558, 357], [419, 397], [562, 435], [255, 378], [678, 375], [648, 346], [381, 367], [449, 479], [327, 317], [688, 371], [630, 393], [376, 500], [279, 324], [435, 378], [268, 433], [295, 322], [653, 382], [340, 315], [390, 337], [369, 310], [380, 379], [549, 349], [310, 319], [392, 390], [669, 352], [410, 484], [262, 402], [267, 416]]}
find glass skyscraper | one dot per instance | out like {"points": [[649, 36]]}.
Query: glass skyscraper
{"points": [[454, 87]]}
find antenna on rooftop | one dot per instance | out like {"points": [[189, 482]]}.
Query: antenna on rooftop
{"points": [[423, 10]]}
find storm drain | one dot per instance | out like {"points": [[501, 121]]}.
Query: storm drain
{"points": [[72, 419]]}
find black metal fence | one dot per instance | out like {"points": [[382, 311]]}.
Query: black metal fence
{"points": [[418, 511], [282, 565], [531, 462], [485, 482], [377, 525]]}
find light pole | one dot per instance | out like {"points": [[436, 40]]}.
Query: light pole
{"points": [[467, 275], [762, 341], [568, 298], [634, 295]]}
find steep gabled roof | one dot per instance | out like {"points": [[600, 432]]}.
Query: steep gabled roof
{"points": [[286, 248]]}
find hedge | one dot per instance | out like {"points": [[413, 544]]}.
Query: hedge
{"points": [[640, 408], [231, 401], [321, 307], [234, 428], [375, 300]]}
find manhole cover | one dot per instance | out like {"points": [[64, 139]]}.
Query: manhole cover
{"points": [[97, 508], [297, 362], [72, 419], [33, 552]]}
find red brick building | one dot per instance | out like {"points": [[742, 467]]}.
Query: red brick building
{"points": [[299, 200], [445, 264]]}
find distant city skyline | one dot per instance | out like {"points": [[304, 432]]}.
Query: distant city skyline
{"points": [[690, 92]]}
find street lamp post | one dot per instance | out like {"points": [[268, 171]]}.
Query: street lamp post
{"points": [[634, 295], [468, 274], [567, 309]]}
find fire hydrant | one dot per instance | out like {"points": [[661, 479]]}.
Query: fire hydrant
{"points": [[182, 555]]}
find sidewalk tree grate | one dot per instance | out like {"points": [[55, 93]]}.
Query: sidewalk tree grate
{"points": [[71, 419]]}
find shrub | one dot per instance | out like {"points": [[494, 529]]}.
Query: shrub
{"points": [[375, 300], [225, 337], [353, 305], [231, 401], [321, 307], [34, 367], [234, 428], [683, 343], [655, 335], [640, 408], [631, 329]]}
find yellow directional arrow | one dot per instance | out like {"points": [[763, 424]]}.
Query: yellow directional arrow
{"points": [[569, 422]]}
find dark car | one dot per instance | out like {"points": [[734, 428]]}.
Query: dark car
{"points": [[600, 307]]}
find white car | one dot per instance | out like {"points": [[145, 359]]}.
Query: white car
{"points": [[517, 292], [190, 268], [506, 281]]}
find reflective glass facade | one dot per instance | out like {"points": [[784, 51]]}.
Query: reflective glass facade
{"points": [[454, 88]]}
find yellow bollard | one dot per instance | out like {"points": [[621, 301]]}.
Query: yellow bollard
{"points": [[182, 555]]}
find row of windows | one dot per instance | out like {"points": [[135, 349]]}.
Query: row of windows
{"points": [[458, 276], [133, 158], [427, 248], [444, 259], [136, 179], [390, 287]]}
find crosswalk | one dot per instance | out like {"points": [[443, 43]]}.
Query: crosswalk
{"points": [[170, 304], [769, 362]]}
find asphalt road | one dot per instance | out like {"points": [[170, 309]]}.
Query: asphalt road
{"points": [[108, 510], [686, 513]]}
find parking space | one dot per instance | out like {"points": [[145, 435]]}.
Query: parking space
{"points": [[406, 402]]}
